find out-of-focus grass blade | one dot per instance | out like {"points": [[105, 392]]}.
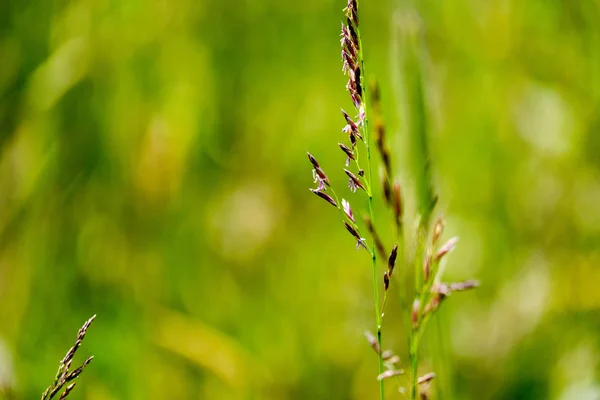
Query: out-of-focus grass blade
{"points": [[209, 349], [416, 114]]}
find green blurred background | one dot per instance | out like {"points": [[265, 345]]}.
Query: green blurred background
{"points": [[153, 172]]}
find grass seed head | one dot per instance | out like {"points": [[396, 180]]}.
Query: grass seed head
{"points": [[324, 196]]}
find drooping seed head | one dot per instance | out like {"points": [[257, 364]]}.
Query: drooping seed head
{"points": [[352, 231], [325, 197], [349, 121], [376, 238], [313, 160], [349, 153], [354, 181], [322, 177], [360, 242], [397, 203], [318, 173], [353, 140], [392, 259], [386, 187]]}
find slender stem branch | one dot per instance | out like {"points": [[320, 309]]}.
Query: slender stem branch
{"points": [[367, 140], [420, 296], [415, 366]]}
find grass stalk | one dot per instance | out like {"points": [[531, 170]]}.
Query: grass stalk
{"points": [[65, 375], [369, 172], [421, 298]]}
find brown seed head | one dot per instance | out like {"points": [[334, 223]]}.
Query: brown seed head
{"points": [[349, 120], [67, 391], [375, 94], [347, 151], [397, 203], [380, 130], [352, 231], [325, 197], [351, 128], [355, 179], [376, 238], [355, 99], [322, 176], [386, 187], [313, 160], [357, 84], [318, 171], [352, 30], [351, 11], [392, 259], [348, 43], [63, 375], [383, 151]]}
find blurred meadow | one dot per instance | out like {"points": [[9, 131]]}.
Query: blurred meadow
{"points": [[153, 171]]}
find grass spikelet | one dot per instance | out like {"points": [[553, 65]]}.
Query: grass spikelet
{"points": [[64, 374]]}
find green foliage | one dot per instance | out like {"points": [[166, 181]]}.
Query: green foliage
{"points": [[153, 172]]}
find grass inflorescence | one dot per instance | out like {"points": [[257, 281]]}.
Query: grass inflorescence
{"points": [[65, 375], [422, 294]]}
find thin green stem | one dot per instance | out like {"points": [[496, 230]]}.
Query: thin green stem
{"points": [[376, 296], [420, 296], [367, 139], [414, 366]]}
